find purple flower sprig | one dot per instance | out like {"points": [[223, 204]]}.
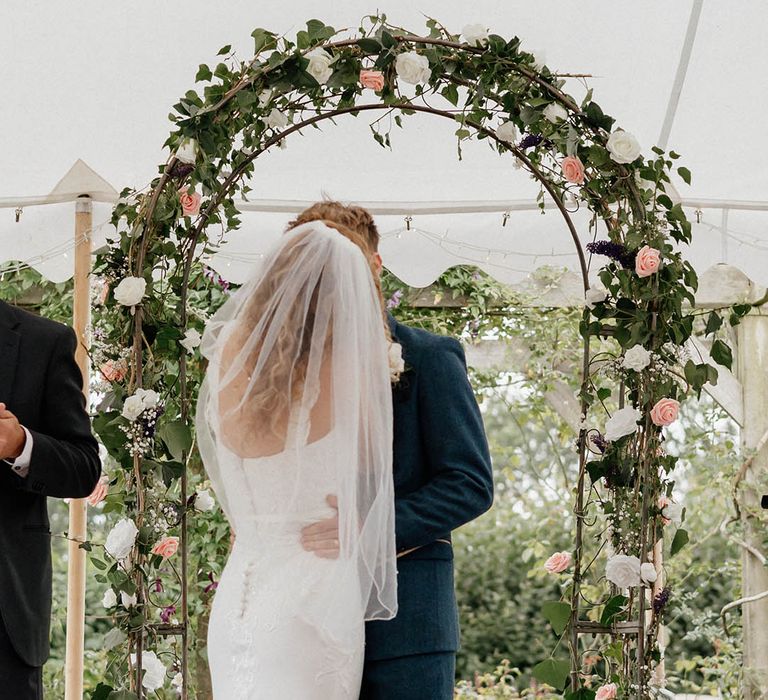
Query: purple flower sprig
{"points": [[661, 599], [167, 613], [394, 301], [614, 251]]}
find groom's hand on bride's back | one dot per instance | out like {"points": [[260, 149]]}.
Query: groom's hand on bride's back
{"points": [[322, 538]]}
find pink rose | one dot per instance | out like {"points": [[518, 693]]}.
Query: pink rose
{"points": [[606, 692], [166, 547], [190, 202], [573, 170], [100, 492], [113, 371], [373, 79], [665, 412], [647, 261], [558, 562], [663, 503], [103, 294]]}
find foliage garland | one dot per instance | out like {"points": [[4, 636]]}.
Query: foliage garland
{"points": [[160, 294]]}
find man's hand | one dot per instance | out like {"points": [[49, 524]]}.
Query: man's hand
{"points": [[322, 538], [12, 435]]}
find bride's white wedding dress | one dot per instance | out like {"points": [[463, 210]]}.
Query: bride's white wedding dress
{"points": [[286, 623]]}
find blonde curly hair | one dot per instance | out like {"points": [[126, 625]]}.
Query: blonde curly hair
{"points": [[270, 403]]}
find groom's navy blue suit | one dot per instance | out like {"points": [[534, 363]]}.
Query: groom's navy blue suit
{"points": [[443, 479]]}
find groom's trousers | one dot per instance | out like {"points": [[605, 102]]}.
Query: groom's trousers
{"points": [[18, 680], [416, 677]]}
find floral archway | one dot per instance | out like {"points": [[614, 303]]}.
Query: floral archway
{"points": [[633, 327]]}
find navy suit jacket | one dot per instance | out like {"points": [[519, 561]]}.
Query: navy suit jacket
{"points": [[443, 479]]}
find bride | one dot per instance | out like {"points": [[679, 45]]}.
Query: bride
{"points": [[295, 418]]}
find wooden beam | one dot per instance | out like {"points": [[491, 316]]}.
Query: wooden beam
{"points": [[73, 668]]}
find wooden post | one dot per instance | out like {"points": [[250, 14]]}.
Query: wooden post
{"points": [[752, 370], [73, 670]]}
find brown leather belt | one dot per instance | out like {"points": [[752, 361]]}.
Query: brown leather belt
{"points": [[413, 549]]}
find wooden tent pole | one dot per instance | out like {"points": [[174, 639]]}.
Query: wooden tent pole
{"points": [[81, 316]]}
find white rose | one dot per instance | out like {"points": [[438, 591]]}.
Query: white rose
{"points": [[636, 358], [396, 362], [177, 681], [130, 291], [191, 340], [121, 538], [413, 68], [204, 501], [594, 295], [276, 119], [187, 151], [648, 572], [133, 408], [110, 599], [622, 422], [128, 601], [554, 112], [320, 65], [154, 670], [475, 34], [673, 512], [623, 571], [623, 147], [507, 132], [149, 398]]}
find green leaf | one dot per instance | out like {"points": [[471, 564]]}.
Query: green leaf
{"points": [[603, 393], [685, 174], [558, 615], [613, 608], [224, 50], [679, 541], [552, 672], [721, 354], [102, 692], [122, 695], [714, 321], [203, 73], [177, 438], [370, 45]]}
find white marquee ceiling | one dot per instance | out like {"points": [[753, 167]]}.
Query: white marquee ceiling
{"points": [[94, 81]]}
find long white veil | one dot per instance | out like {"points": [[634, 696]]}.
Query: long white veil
{"points": [[298, 375]]}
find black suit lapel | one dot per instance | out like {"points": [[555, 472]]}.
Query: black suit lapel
{"points": [[9, 352]]}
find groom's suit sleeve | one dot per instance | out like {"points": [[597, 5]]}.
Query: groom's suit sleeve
{"points": [[65, 456], [460, 483]]}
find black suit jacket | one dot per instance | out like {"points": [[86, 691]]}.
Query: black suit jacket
{"points": [[42, 385], [443, 479]]}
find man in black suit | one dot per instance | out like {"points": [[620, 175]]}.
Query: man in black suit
{"points": [[47, 449], [443, 479]]}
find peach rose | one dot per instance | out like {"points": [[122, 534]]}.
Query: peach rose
{"points": [[373, 79], [665, 412], [113, 371], [558, 562], [190, 202], [573, 170], [662, 504], [606, 692], [100, 492], [166, 547], [647, 261]]}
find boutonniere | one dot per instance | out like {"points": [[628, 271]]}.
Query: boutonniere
{"points": [[396, 363]]}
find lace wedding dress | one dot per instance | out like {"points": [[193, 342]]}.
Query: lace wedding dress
{"points": [[286, 623]]}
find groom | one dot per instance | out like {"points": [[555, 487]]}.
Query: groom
{"points": [[443, 479], [47, 449]]}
